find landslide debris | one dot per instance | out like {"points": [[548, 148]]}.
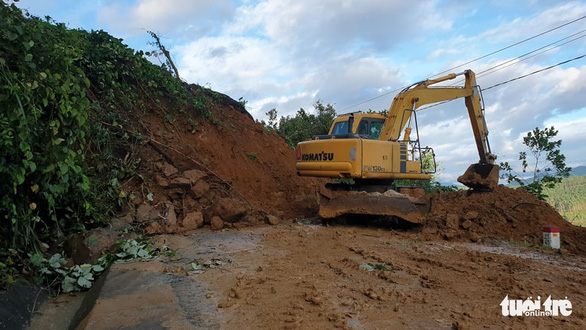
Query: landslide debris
{"points": [[504, 213], [226, 170]]}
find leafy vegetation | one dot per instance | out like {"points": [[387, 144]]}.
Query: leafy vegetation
{"points": [[569, 199], [55, 275], [548, 165], [66, 98], [303, 125], [252, 155]]}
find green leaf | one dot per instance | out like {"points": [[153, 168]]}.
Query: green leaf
{"points": [[98, 268], [69, 284], [36, 259], [56, 260], [28, 57], [58, 141], [92, 241]]}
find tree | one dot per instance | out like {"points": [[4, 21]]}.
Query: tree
{"points": [[548, 164], [272, 125], [428, 165], [303, 125], [164, 52]]}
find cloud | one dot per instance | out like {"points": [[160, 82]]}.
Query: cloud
{"points": [[332, 25], [181, 18], [543, 21], [337, 51]]}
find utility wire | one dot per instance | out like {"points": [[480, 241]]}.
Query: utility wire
{"points": [[500, 66], [513, 45], [520, 59], [511, 80], [372, 99], [538, 71], [479, 58]]}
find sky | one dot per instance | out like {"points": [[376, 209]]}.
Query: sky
{"points": [[287, 54]]}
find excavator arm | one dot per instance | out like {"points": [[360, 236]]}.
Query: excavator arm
{"points": [[419, 94]]}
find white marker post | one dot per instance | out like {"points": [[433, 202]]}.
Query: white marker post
{"points": [[551, 236]]}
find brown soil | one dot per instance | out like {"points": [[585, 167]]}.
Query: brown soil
{"points": [[238, 161], [511, 214], [317, 277], [245, 174]]}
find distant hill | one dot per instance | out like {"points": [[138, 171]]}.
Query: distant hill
{"points": [[576, 171], [580, 170], [569, 198]]}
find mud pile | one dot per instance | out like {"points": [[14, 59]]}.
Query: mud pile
{"points": [[223, 170], [505, 213]]}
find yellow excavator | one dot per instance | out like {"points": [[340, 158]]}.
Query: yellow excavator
{"points": [[368, 148]]}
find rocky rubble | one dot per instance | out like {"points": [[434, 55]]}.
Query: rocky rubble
{"points": [[505, 213], [187, 200]]}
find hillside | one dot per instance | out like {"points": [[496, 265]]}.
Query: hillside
{"points": [[578, 170], [91, 130], [569, 198]]}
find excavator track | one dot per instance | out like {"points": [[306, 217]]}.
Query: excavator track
{"points": [[334, 204]]}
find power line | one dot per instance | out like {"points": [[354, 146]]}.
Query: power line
{"points": [[513, 45], [372, 99], [538, 71], [503, 65], [484, 56], [514, 79]]}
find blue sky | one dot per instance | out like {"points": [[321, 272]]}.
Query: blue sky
{"points": [[287, 54]]}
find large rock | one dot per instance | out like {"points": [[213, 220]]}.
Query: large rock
{"points": [[89, 248], [167, 169], [216, 223], [193, 220], [189, 204], [229, 209], [194, 175], [161, 182], [180, 182], [452, 220], [169, 215], [200, 188], [272, 220], [146, 212]]}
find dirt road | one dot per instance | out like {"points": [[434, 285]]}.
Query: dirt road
{"points": [[309, 276]]}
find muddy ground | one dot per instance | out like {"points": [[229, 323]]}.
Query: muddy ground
{"points": [[232, 175], [309, 276]]}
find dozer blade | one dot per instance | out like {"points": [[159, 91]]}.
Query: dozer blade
{"points": [[391, 203], [481, 176]]}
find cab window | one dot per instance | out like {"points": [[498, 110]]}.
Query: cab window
{"points": [[363, 128], [340, 128], [370, 128], [375, 129]]}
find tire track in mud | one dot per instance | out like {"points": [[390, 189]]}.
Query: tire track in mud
{"points": [[296, 276]]}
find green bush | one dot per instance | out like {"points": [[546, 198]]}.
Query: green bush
{"points": [[42, 130], [68, 99]]}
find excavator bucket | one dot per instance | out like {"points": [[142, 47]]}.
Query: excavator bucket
{"points": [[390, 203], [481, 177]]}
